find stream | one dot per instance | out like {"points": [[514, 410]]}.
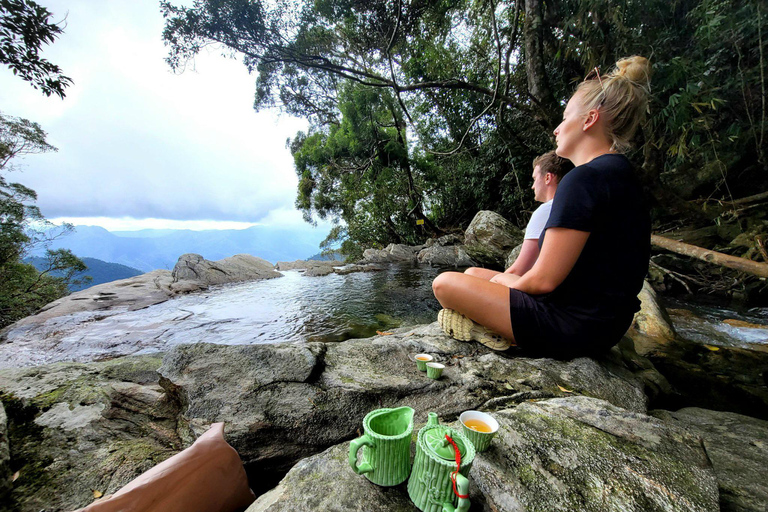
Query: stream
{"points": [[295, 308]]}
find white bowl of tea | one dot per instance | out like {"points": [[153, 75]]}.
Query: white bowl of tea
{"points": [[479, 427]]}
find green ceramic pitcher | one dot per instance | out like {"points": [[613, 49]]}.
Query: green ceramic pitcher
{"points": [[385, 446], [430, 486]]}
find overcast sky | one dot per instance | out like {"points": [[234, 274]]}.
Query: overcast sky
{"points": [[142, 147]]}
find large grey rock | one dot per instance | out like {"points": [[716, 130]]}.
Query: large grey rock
{"points": [[445, 256], [95, 426], [80, 428], [449, 239], [393, 253], [512, 256], [5, 458], [652, 319], [240, 267], [737, 445], [584, 454], [326, 482], [561, 454], [490, 237], [130, 294], [306, 264], [285, 402], [319, 271]]}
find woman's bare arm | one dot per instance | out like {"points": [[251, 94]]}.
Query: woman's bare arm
{"points": [[559, 252]]}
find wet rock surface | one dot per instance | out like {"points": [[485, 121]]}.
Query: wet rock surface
{"points": [[737, 445]]}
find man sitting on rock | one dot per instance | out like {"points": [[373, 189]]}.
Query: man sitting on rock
{"points": [[548, 170]]}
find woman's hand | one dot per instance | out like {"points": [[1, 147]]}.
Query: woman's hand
{"points": [[559, 252]]}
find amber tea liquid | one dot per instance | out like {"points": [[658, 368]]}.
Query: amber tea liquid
{"points": [[478, 426]]}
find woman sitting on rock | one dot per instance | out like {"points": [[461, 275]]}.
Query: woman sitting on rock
{"points": [[581, 294]]}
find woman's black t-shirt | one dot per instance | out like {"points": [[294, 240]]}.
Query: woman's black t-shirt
{"points": [[603, 197]]}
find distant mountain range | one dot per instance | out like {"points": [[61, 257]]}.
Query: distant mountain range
{"points": [[100, 271], [151, 249]]}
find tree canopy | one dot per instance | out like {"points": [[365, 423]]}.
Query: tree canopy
{"points": [[433, 109], [24, 289], [25, 27]]}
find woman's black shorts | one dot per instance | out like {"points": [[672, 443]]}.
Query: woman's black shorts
{"points": [[543, 329]]}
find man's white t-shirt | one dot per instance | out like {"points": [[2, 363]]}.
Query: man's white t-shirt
{"points": [[538, 221]]}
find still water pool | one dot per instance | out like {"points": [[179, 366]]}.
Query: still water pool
{"points": [[295, 308], [292, 308]]}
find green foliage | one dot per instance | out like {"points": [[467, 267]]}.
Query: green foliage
{"points": [[24, 29], [443, 104], [24, 289]]}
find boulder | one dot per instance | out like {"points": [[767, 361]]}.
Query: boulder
{"points": [[349, 269], [512, 256], [566, 454], [445, 256], [5, 458], [83, 429], [449, 239], [737, 445], [306, 264], [241, 267], [285, 402], [326, 482], [652, 319], [319, 271], [393, 253], [95, 426], [580, 453], [130, 294], [490, 237]]}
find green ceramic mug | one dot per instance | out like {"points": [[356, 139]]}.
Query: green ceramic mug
{"points": [[385, 447]]}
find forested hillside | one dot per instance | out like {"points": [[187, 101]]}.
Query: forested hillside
{"points": [[96, 272]]}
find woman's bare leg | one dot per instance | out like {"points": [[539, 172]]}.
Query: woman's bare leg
{"points": [[484, 302], [482, 273]]}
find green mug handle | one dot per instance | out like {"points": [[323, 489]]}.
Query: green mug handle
{"points": [[462, 485], [354, 446]]}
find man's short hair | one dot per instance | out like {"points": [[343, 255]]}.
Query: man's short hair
{"points": [[550, 162]]}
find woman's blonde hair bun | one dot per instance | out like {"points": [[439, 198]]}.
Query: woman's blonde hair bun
{"points": [[622, 98], [636, 69]]}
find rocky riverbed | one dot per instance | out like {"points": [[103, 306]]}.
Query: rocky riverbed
{"points": [[575, 435], [658, 423]]}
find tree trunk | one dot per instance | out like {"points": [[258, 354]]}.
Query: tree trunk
{"points": [[538, 85]]}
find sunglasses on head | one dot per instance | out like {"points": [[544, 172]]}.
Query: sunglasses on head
{"points": [[595, 73]]}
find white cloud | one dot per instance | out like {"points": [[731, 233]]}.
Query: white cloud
{"points": [[136, 141]]}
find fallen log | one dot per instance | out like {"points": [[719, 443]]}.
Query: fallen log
{"points": [[718, 258]]}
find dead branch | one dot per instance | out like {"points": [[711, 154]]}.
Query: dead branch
{"points": [[718, 258]]}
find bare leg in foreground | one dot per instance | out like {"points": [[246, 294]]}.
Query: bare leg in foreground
{"points": [[480, 300], [482, 273]]}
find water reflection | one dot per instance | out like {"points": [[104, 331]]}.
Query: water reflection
{"points": [[292, 308]]}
